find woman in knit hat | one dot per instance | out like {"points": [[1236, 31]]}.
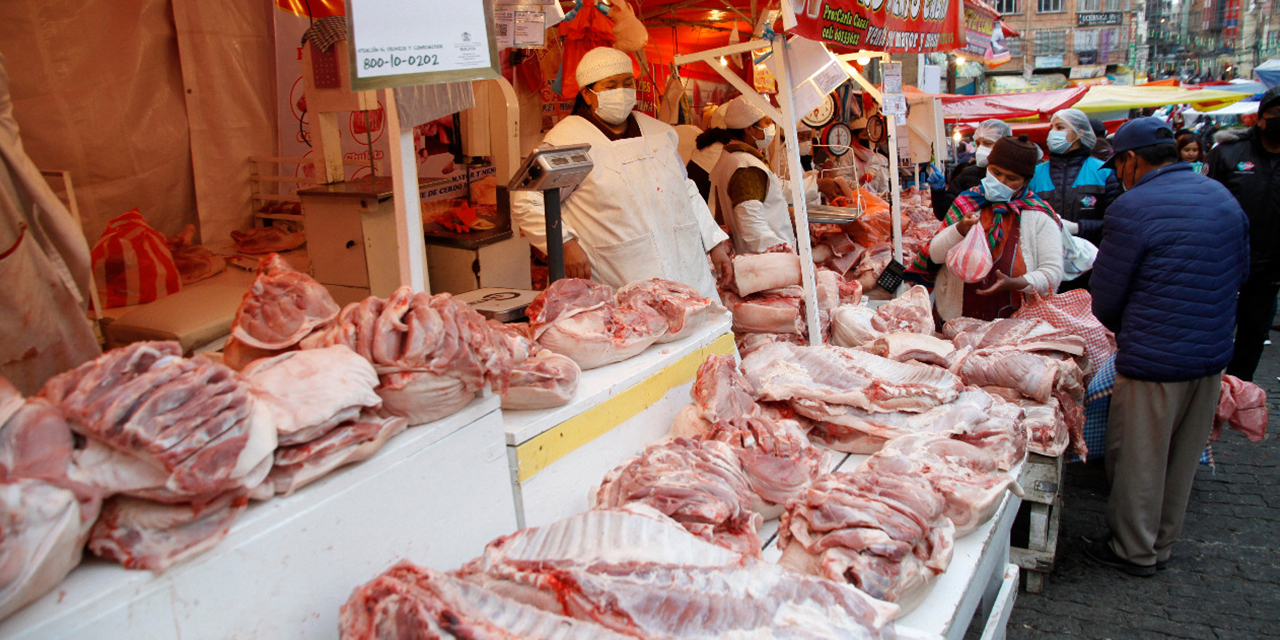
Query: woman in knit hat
{"points": [[636, 215], [1024, 234]]}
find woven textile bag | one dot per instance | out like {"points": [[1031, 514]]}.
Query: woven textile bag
{"points": [[1072, 312], [132, 263]]}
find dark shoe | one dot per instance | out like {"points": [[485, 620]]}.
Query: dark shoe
{"points": [[1161, 565], [1100, 552]]}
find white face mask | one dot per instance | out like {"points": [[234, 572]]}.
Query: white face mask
{"points": [[995, 190], [614, 105], [769, 132], [980, 158]]}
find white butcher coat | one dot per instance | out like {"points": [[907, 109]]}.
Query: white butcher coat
{"points": [[44, 269], [637, 214], [754, 225]]}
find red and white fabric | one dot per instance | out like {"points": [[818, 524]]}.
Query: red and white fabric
{"points": [[132, 263]]}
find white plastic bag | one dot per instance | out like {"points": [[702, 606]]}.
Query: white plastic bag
{"points": [[1078, 255], [970, 259]]}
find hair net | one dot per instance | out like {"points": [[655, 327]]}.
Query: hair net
{"points": [[740, 113], [992, 130], [1078, 122]]}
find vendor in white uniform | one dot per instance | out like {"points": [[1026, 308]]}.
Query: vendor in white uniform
{"points": [[751, 198], [636, 215]]}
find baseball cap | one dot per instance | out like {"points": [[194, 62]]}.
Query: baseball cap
{"points": [[1139, 133], [1269, 99]]}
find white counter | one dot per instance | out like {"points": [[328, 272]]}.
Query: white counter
{"points": [[558, 456], [436, 494]]}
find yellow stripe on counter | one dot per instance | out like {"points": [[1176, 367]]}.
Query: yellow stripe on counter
{"points": [[570, 435]]}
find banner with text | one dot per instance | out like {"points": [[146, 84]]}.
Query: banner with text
{"points": [[910, 26], [984, 37]]}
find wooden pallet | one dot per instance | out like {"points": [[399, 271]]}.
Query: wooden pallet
{"points": [[1041, 481]]}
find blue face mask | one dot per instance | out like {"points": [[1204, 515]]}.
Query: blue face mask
{"points": [[1058, 142], [995, 190]]}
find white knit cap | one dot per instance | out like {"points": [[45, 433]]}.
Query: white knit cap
{"points": [[601, 63], [741, 114], [717, 116]]}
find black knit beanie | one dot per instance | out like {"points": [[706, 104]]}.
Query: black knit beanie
{"points": [[1018, 155]]}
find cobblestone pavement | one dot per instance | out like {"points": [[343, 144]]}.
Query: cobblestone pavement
{"points": [[1224, 578]]}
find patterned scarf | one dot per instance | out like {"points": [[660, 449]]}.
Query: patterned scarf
{"points": [[973, 201]]}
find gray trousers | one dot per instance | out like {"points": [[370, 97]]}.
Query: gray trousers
{"points": [[1156, 432]]}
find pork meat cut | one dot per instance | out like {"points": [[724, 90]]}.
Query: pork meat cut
{"points": [[409, 602], [544, 381], [313, 391], [195, 420], [348, 443], [820, 380], [757, 272], [911, 311], [637, 573], [281, 307], [41, 537], [851, 325], [968, 478], [901, 346], [685, 310], [772, 312], [698, 484], [579, 319], [267, 240], [141, 534]]}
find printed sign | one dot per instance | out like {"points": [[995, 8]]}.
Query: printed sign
{"points": [[914, 26], [408, 42], [984, 36], [1047, 62], [1109, 19]]}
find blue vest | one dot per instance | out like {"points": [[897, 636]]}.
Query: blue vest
{"points": [[1091, 173], [1082, 197]]}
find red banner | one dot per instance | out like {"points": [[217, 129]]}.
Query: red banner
{"points": [[908, 26]]}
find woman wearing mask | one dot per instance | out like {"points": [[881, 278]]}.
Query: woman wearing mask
{"points": [[1024, 234], [1189, 150], [1074, 182], [750, 197], [636, 215], [966, 175]]}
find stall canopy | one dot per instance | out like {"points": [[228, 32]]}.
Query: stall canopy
{"points": [[1009, 105], [1111, 98], [1241, 108], [1268, 72]]}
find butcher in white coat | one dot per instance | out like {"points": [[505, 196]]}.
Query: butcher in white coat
{"points": [[751, 198], [636, 215]]}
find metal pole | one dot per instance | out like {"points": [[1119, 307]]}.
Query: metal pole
{"points": [[555, 235]]}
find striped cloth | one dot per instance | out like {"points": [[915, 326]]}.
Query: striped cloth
{"points": [[1097, 408]]}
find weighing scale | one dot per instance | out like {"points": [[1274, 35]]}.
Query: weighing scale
{"points": [[549, 170]]}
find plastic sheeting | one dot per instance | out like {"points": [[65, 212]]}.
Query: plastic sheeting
{"points": [[1268, 72], [97, 90], [1006, 106], [228, 71]]}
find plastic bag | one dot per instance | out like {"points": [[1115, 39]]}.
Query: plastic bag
{"points": [[132, 263], [1073, 312], [1243, 406], [970, 259], [876, 223], [1078, 255]]}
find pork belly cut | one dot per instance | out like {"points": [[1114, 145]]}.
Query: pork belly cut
{"points": [[544, 381], [313, 391], [351, 442], [757, 272], [901, 346], [684, 309], [579, 319], [911, 311], [141, 534], [281, 307]]}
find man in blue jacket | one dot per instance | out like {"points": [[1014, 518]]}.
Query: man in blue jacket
{"points": [[1175, 250]]}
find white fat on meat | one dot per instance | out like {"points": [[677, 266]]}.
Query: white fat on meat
{"points": [[313, 391], [579, 319], [772, 312], [701, 485], [851, 325], [281, 307], [351, 442], [911, 311], [41, 537], [684, 309], [1034, 376], [409, 602], [757, 272], [901, 346], [544, 381], [1045, 426], [141, 534], [821, 377], [854, 430]]}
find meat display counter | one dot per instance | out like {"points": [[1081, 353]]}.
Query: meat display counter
{"points": [[435, 495], [557, 456]]}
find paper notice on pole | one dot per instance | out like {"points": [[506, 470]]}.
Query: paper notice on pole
{"points": [[904, 142], [806, 98], [504, 27], [408, 42], [892, 76], [829, 78], [932, 79], [531, 29], [895, 104]]}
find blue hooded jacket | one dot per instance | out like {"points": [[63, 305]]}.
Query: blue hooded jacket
{"points": [[1175, 250]]}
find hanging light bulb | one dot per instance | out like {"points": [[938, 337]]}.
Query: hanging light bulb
{"points": [[956, 135], [959, 60], [863, 61], [723, 62]]}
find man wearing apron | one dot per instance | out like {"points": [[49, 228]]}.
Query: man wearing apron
{"points": [[636, 215]]}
